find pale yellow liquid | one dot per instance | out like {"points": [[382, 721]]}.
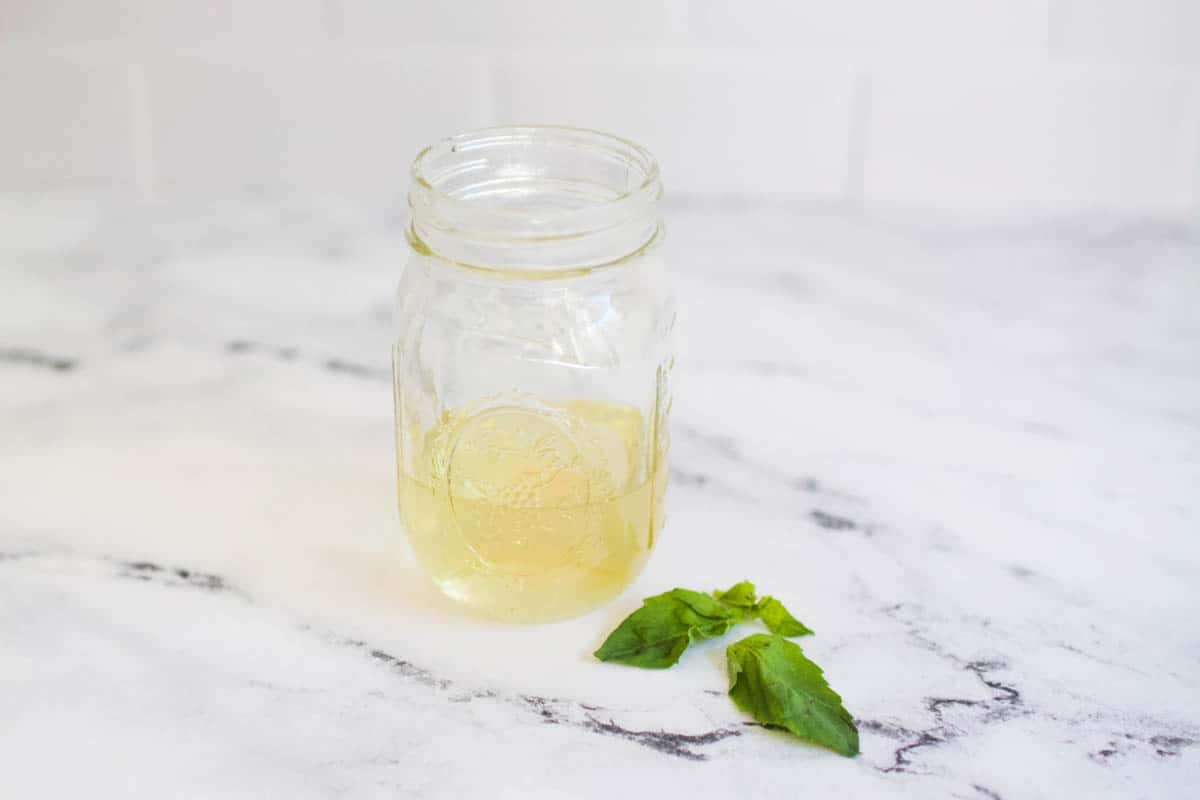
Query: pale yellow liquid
{"points": [[534, 514]]}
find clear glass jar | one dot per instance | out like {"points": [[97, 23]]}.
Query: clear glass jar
{"points": [[531, 370]]}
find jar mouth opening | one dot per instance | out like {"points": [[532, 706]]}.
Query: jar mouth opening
{"points": [[534, 196], [475, 170]]}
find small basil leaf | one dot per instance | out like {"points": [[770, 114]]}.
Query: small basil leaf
{"points": [[655, 636], [740, 595], [778, 619], [772, 680]]}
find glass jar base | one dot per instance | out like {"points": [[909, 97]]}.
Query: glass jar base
{"points": [[525, 599]]}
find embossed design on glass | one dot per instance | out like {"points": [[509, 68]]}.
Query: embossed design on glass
{"points": [[531, 369]]}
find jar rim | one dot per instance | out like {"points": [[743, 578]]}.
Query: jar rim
{"points": [[537, 198], [635, 154]]}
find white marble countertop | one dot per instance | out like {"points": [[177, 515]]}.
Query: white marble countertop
{"points": [[968, 458]]}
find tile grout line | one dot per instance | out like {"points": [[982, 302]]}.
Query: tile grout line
{"points": [[141, 136], [1196, 169], [495, 90], [332, 19], [1056, 21], [854, 190]]}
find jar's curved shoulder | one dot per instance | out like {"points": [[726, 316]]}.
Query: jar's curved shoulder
{"points": [[603, 319]]}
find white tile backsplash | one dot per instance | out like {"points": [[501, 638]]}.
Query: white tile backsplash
{"points": [[141, 20], [1055, 141], [328, 120], [1021, 107], [1138, 31], [64, 119], [718, 125], [912, 26], [608, 24]]}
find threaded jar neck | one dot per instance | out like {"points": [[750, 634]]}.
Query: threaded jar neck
{"points": [[534, 199]]}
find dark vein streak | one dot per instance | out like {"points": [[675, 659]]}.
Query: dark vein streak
{"points": [[35, 358], [1164, 746], [1008, 695], [673, 744], [286, 353], [1000, 706], [1168, 746], [934, 704], [357, 370], [900, 759], [149, 571], [682, 477], [409, 670], [888, 730], [832, 521]]}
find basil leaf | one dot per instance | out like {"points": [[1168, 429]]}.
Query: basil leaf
{"points": [[778, 619], [655, 636], [772, 680], [740, 595]]}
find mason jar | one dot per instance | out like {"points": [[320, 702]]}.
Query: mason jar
{"points": [[532, 369]]}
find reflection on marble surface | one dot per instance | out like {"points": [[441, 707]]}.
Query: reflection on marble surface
{"points": [[967, 458]]}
